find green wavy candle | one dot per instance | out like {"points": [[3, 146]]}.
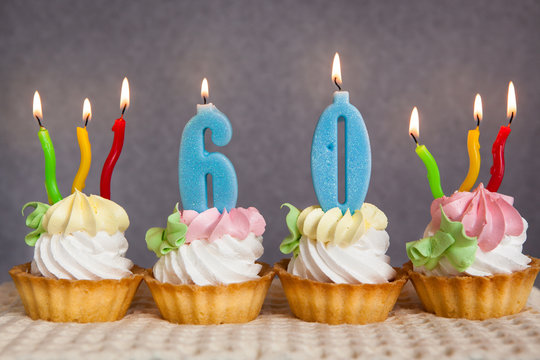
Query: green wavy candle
{"points": [[433, 175], [50, 166]]}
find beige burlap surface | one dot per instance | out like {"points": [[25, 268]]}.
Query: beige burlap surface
{"points": [[275, 334]]}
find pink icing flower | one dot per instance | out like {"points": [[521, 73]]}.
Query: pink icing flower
{"points": [[257, 224], [484, 214], [212, 225], [187, 216]]}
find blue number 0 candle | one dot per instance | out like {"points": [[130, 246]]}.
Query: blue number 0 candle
{"points": [[195, 163], [324, 152]]}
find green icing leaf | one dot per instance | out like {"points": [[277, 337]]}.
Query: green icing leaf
{"points": [[291, 242], [34, 221], [165, 248], [154, 237], [164, 240], [463, 252], [449, 241], [175, 234]]}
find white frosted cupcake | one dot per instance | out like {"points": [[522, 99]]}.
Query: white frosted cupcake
{"points": [[339, 272], [470, 262], [79, 271], [207, 271]]}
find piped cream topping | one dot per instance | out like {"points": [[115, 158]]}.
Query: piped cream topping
{"points": [[89, 214], [337, 228]]}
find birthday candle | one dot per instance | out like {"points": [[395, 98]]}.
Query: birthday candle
{"points": [[51, 186], [86, 150], [118, 142], [196, 163], [473, 147], [324, 152], [423, 153], [497, 170]]}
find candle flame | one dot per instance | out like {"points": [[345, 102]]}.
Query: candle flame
{"points": [[478, 108], [37, 106], [204, 89], [336, 70], [87, 110], [414, 126], [511, 107], [124, 95]]}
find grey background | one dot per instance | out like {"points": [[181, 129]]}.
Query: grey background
{"points": [[268, 65]]}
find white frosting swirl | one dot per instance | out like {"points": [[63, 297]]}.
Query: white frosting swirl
{"points": [[506, 258], [364, 261], [226, 260], [79, 256]]}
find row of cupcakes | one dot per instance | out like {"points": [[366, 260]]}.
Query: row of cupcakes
{"points": [[469, 263]]}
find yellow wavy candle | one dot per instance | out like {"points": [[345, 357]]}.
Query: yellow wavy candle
{"points": [[86, 160], [473, 147]]}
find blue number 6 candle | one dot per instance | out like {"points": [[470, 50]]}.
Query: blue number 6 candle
{"points": [[324, 152], [195, 163]]}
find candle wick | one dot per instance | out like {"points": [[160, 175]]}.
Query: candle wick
{"points": [[511, 118], [86, 121], [39, 121], [335, 82], [477, 120], [204, 99], [414, 138], [124, 109]]}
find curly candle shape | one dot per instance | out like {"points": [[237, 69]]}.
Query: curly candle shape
{"points": [[51, 184], [433, 175], [86, 150], [116, 148], [497, 169], [118, 142], [473, 148]]}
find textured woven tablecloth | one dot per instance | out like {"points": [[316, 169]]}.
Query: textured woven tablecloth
{"points": [[275, 334]]}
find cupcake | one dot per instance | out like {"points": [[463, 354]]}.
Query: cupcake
{"points": [[207, 271], [339, 272], [79, 272], [470, 262]]}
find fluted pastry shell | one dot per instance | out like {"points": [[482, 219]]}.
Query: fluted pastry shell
{"points": [[211, 304], [339, 303], [475, 297], [82, 301]]}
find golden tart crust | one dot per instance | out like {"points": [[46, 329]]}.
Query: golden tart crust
{"points": [[83, 301], [339, 303], [475, 297]]}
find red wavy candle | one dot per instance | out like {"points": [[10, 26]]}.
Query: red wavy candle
{"points": [[497, 170], [116, 148]]}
